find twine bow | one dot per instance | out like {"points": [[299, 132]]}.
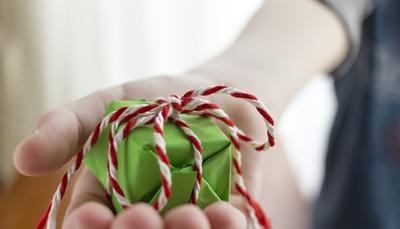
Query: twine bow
{"points": [[156, 114]]}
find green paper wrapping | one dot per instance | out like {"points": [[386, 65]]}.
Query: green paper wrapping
{"points": [[138, 170]]}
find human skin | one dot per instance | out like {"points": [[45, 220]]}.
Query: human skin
{"points": [[284, 44]]}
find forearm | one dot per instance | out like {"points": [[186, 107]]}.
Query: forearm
{"points": [[281, 48]]}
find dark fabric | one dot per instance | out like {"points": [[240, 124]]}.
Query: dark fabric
{"points": [[361, 187]]}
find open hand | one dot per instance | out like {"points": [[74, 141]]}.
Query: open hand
{"points": [[62, 131]]}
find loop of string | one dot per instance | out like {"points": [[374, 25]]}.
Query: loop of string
{"points": [[125, 119]]}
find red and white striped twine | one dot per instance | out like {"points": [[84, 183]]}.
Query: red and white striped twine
{"points": [[129, 118]]}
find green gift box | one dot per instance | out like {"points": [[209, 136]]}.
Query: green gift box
{"points": [[138, 170]]}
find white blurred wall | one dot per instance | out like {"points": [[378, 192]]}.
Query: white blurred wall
{"points": [[88, 44], [304, 130]]}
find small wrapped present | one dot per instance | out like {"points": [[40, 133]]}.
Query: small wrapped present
{"points": [[167, 153], [137, 162]]}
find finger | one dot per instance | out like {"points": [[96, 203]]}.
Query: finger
{"points": [[91, 215], [87, 189], [186, 217], [139, 216], [224, 215], [60, 132], [88, 206]]}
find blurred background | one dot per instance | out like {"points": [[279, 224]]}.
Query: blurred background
{"points": [[52, 52], [55, 51]]}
